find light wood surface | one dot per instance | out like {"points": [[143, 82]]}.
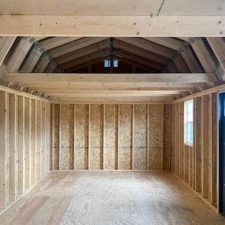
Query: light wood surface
{"points": [[105, 137], [109, 198]]}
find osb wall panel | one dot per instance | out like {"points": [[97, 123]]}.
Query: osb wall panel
{"points": [[197, 165], [167, 137], [21, 142], [55, 136], [96, 137], [81, 137], [111, 136], [125, 137], [66, 137], [140, 137], [156, 122]]}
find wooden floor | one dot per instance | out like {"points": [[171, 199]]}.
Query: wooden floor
{"points": [[111, 198]]}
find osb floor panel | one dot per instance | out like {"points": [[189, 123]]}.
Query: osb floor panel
{"points": [[111, 198]]}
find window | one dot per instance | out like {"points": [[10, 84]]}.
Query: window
{"points": [[188, 122], [115, 63], [107, 63]]}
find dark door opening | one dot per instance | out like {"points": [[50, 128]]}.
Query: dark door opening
{"points": [[222, 153]]}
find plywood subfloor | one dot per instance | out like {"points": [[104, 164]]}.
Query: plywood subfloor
{"points": [[111, 198]]}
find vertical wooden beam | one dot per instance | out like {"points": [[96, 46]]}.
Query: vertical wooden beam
{"points": [[74, 137], [148, 160], [181, 142], [21, 144], [198, 145], [205, 144], [103, 139], [132, 136], [118, 139], [13, 151], [27, 143], [89, 133], [3, 147]]}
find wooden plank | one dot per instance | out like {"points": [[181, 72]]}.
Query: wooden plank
{"points": [[140, 137], [21, 144], [5, 45], [3, 147], [156, 120], [22, 47], [125, 137], [198, 144], [81, 137], [96, 137], [27, 143], [31, 60], [205, 145], [181, 140], [167, 137], [66, 160], [12, 147], [111, 136], [39, 143], [112, 26], [32, 78], [55, 133]]}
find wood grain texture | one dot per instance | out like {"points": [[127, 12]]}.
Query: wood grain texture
{"points": [[66, 137], [125, 138], [81, 137], [111, 136], [91, 197], [21, 137], [156, 118], [140, 137], [96, 137], [197, 164]]}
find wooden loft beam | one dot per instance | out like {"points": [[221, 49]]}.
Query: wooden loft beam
{"points": [[218, 47], [54, 42], [5, 45], [149, 46], [117, 26], [139, 51], [83, 52], [30, 78], [112, 93], [113, 8], [171, 43], [73, 46], [117, 100]]}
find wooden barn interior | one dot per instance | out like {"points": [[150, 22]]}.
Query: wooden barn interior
{"points": [[112, 112]]}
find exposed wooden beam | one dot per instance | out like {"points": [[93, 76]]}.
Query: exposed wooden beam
{"points": [[82, 52], [120, 26], [54, 42], [5, 45], [149, 46], [172, 43], [73, 46], [117, 100], [30, 78], [218, 47]]}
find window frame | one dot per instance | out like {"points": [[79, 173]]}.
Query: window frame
{"points": [[189, 121]]}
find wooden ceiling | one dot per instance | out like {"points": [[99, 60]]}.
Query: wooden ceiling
{"points": [[70, 69], [118, 18]]}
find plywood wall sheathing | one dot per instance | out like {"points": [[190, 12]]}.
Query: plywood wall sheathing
{"points": [[20, 138], [197, 165], [110, 137]]}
